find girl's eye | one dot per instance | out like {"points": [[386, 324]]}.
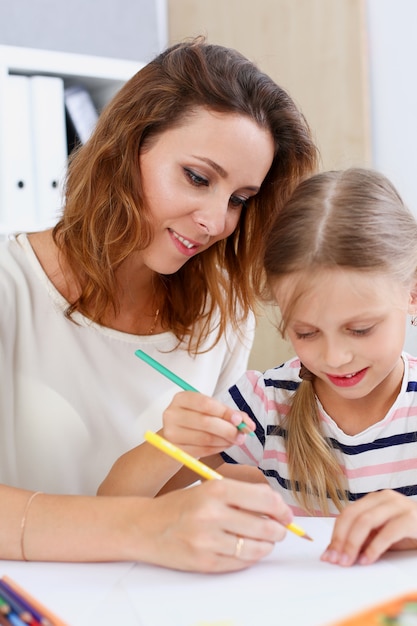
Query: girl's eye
{"points": [[236, 201], [196, 179], [309, 335], [360, 332]]}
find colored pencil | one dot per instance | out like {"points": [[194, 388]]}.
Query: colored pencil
{"points": [[15, 620], [177, 380], [16, 607], [48, 618], [3, 620], [27, 612], [200, 468], [4, 607]]}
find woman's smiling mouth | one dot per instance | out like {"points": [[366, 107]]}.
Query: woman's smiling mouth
{"points": [[184, 241], [185, 246]]}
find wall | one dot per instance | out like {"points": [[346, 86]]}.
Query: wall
{"points": [[122, 29], [317, 50], [393, 54]]}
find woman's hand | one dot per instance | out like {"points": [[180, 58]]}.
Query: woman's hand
{"points": [[203, 426], [378, 522], [219, 526]]}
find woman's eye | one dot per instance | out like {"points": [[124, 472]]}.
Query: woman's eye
{"points": [[196, 179], [236, 201]]}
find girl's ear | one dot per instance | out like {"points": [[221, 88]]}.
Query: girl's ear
{"points": [[412, 304]]}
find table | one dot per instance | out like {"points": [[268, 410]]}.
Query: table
{"points": [[290, 587]]}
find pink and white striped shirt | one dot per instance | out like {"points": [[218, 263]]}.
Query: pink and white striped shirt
{"points": [[384, 456]]}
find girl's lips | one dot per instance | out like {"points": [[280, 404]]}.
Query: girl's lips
{"points": [[188, 247], [348, 380]]}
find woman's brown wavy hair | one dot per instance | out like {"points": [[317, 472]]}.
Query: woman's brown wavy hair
{"points": [[105, 218], [353, 219]]}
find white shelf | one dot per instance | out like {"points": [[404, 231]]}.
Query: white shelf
{"points": [[101, 76]]}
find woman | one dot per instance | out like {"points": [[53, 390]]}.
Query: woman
{"points": [[158, 248]]}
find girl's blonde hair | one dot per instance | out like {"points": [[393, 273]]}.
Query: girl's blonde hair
{"points": [[105, 218], [351, 219]]}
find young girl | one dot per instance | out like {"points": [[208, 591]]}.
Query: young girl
{"points": [[339, 421]]}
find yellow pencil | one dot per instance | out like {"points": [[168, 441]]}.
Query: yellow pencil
{"points": [[200, 468]]}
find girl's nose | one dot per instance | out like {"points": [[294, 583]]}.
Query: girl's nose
{"points": [[337, 353]]}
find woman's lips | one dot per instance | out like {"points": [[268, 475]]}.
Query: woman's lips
{"points": [[184, 245]]}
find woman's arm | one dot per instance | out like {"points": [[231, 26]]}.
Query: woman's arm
{"points": [[200, 425], [193, 529]]}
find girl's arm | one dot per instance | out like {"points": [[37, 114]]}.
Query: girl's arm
{"points": [[200, 425], [193, 529], [380, 521]]}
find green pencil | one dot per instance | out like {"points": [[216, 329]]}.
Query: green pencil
{"points": [[175, 379]]}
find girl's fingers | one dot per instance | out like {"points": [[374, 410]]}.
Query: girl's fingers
{"points": [[198, 420], [371, 526], [241, 420]]}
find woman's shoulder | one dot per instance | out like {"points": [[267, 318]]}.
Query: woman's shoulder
{"points": [[11, 260], [13, 281]]}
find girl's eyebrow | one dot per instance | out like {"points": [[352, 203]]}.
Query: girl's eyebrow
{"points": [[365, 319], [222, 172]]}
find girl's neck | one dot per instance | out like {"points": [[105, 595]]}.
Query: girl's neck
{"points": [[354, 415]]}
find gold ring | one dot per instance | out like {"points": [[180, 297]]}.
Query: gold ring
{"points": [[239, 547]]}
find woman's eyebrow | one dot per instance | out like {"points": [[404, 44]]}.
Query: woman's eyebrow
{"points": [[222, 172]]}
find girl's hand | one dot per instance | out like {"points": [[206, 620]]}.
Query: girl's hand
{"points": [[202, 425], [198, 424], [380, 521]]}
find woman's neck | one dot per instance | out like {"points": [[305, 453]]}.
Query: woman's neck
{"points": [[139, 310]]}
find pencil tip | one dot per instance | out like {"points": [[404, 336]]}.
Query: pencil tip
{"points": [[305, 536]]}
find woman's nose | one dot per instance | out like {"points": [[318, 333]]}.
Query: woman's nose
{"points": [[212, 218]]}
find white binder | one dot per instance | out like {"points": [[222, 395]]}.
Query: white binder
{"points": [[17, 189], [49, 142]]}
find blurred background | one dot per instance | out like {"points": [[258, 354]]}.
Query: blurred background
{"points": [[349, 64]]}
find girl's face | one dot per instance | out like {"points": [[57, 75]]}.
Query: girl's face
{"points": [[348, 329], [196, 178]]}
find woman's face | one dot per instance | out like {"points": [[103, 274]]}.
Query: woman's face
{"points": [[196, 178]]}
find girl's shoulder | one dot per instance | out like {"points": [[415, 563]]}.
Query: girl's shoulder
{"points": [[410, 372], [412, 362], [283, 377]]}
